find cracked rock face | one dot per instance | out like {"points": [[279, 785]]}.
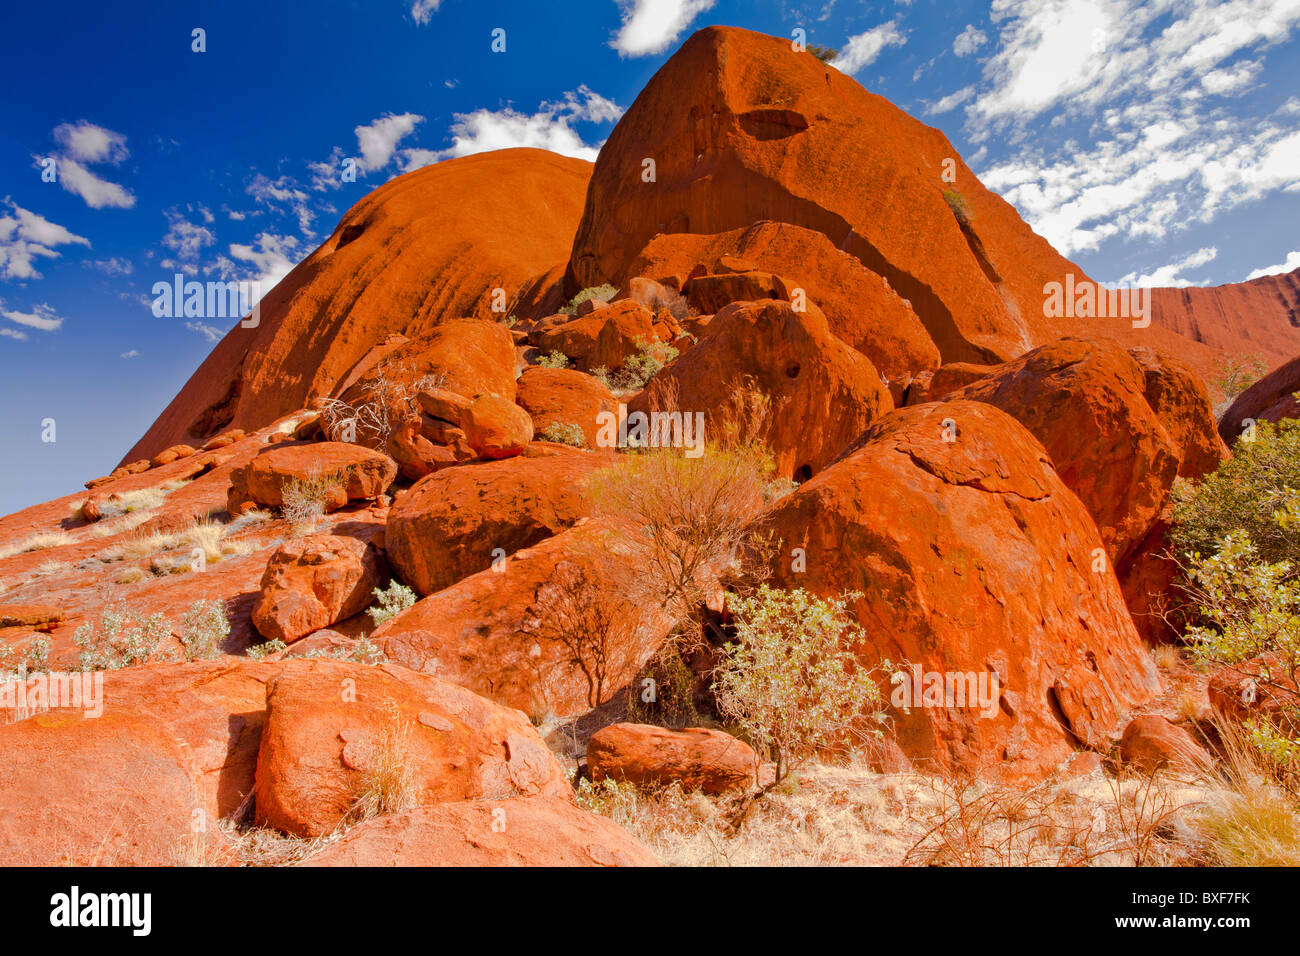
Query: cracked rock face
{"points": [[971, 557]]}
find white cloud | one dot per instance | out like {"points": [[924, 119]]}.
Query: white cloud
{"points": [[14, 334], [88, 143], [114, 266], [271, 256], [284, 191], [1138, 83], [652, 26], [1171, 274], [378, 140], [862, 49], [209, 332], [1290, 265], [41, 317], [549, 128], [25, 236], [423, 10], [969, 40], [951, 101], [186, 239], [85, 143], [133, 353]]}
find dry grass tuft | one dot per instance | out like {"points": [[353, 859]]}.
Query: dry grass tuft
{"points": [[38, 542]]}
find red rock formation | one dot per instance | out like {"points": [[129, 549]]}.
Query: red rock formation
{"points": [[532, 831], [972, 558], [331, 727], [315, 581], [1272, 399], [1259, 317], [1151, 743], [426, 247], [741, 128], [649, 756], [819, 393], [562, 396]]}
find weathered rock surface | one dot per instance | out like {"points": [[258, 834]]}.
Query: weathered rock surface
{"points": [[649, 756], [314, 581]]}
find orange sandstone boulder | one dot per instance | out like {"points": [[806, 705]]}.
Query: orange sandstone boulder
{"points": [[456, 522], [1272, 399], [974, 562], [562, 396], [649, 756], [556, 627], [496, 427], [532, 831], [1151, 743], [313, 581], [354, 472], [820, 393], [332, 729]]}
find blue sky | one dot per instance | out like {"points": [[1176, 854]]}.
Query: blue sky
{"points": [[1155, 142]]}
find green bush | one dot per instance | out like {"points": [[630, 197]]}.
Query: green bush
{"points": [[565, 433], [393, 600], [639, 369], [122, 639], [556, 359], [204, 630], [792, 681], [605, 292], [1256, 491]]}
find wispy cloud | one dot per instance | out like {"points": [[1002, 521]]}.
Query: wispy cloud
{"points": [[25, 237], [1290, 265], [83, 144], [42, 317]]}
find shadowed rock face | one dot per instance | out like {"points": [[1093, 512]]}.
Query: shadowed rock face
{"points": [[741, 129], [426, 247]]}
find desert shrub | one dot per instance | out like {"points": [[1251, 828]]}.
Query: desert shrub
{"points": [[360, 651], [791, 679], [510, 321], [824, 53], [579, 612], [640, 368], [304, 499], [204, 630], [1250, 614], [1256, 491], [390, 601], [389, 400], [122, 638], [959, 206], [387, 784], [605, 292], [671, 301], [556, 359], [34, 660], [664, 693], [565, 433], [259, 652], [688, 521]]}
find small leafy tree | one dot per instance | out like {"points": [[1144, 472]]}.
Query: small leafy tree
{"points": [[1233, 375], [792, 679], [826, 54], [555, 359]]}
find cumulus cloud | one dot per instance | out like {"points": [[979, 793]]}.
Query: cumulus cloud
{"points": [[83, 143], [14, 334], [551, 127], [130, 354], [1290, 265], [209, 332], [378, 140], [652, 26], [271, 256], [1141, 84], [969, 40], [25, 237], [862, 49], [284, 191]]}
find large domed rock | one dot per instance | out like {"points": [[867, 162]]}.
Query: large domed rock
{"points": [[972, 558], [426, 247]]}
